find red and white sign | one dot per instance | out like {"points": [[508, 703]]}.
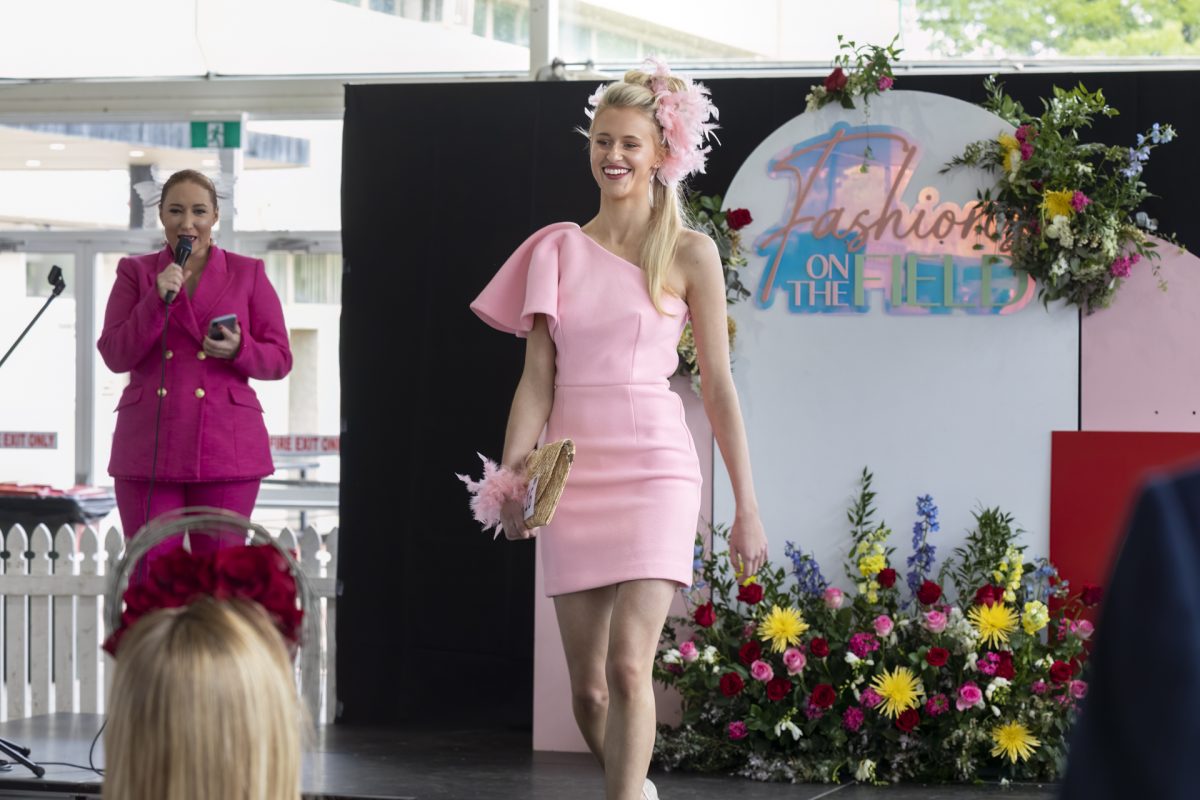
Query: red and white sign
{"points": [[28, 440], [305, 444]]}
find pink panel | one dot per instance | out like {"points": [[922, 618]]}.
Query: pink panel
{"points": [[553, 723], [1140, 361]]}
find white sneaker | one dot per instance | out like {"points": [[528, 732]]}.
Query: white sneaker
{"points": [[648, 790]]}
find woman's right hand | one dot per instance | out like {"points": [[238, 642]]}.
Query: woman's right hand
{"points": [[512, 516], [170, 280]]}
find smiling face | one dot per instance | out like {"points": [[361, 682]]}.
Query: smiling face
{"points": [[625, 151], [187, 211]]}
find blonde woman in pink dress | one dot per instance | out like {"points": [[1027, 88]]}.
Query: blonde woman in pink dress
{"points": [[602, 307]]}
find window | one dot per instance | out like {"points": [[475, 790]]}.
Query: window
{"points": [[318, 278]]}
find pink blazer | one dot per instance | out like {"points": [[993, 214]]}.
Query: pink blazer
{"points": [[212, 424]]}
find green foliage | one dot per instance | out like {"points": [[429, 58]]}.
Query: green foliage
{"points": [[1112, 28], [1065, 210]]}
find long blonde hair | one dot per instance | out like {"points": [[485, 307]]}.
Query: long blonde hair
{"points": [[667, 221], [203, 707]]}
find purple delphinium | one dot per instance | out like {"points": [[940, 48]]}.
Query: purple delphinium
{"points": [[806, 569], [921, 560]]}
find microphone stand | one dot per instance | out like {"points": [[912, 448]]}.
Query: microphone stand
{"points": [[20, 755], [56, 280], [13, 750]]}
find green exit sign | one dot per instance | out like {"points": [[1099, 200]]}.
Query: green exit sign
{"points": [[216, 134]]}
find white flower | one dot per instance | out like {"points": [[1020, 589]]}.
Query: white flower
{"points": [[1060, 229], [865, 771], [852, 659], [671, 656], [1083, 168], [971, 658], [997, 683], [709, 655], [995, 711], [716, 670], [790, 727]]}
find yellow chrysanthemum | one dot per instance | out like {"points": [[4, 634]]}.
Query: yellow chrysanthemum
{"points": [[1012, 152], [1058, 204], [1036, 617], [782, 627], [1014, 740], [994, 622], [899, 689]]}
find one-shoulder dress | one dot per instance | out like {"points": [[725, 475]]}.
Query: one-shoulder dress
{"points": [[629, 510]]}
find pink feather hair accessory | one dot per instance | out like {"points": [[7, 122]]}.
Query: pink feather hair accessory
{"points": [[498, 485], [687, 117]]}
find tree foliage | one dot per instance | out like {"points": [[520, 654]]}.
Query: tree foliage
{"points": [[1081, 28]]}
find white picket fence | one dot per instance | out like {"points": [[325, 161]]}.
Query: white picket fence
{"points": [[52, 620]]}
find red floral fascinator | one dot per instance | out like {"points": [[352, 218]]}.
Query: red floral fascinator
{"points": [[259, 571]]}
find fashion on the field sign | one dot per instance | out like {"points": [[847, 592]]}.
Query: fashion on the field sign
{"points": [[865, 223]]}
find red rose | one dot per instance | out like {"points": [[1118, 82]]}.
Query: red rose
{"points": [[244, 572], [1061, 672], [1005, 668], [823, 696], [908, 720], [749, 653], [988, 595], [750, 593], [732, 684], [937, 656], [836, 80], [705, 616], [1092, 594], [738, 218], [778, 688], [929, 593], [178, 576], [818, 647], [886, 577]]}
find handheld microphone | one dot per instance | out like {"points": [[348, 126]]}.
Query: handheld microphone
{"points": [[182, 250]]}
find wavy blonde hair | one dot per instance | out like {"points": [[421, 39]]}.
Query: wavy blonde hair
{"points": [[203, 706], [667, 220]]}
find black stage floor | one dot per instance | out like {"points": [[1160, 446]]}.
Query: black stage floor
{"points": [[353, 762]]}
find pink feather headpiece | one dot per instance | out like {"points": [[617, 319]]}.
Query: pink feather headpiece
{"points": [[684, 116]]}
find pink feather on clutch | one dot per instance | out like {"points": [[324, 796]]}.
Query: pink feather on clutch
{"points": [[490, 492]]}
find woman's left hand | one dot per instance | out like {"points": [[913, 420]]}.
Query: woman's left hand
{"points": [[227, 347], [747, 545]]}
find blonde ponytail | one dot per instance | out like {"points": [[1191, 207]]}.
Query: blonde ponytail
{"points": [[667, 222]]}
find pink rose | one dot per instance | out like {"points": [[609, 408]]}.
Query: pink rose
{"points": [[969, 696], [1083, 629], [688, 651], [885, 82], [883, 625], [737, 730], [834, 598], [1038, 687], [1079, 689], [761, 671], [794, 660], [935, 621]]}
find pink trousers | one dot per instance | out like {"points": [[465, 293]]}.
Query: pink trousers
{"points": [[235, 496]]}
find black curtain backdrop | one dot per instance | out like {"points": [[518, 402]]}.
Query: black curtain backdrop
{"points": [[440, 183]]}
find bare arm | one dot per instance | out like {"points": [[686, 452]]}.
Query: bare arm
{"points": [[528, 415], [700, 266]]}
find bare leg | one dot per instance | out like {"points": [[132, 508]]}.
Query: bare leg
{"points": [[583, 621], [637, 620]]}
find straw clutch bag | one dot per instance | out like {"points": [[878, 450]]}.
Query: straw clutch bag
{"points": [[546, 468]]}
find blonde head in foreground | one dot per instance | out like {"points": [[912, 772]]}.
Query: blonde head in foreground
{"points": [[203, 707]]}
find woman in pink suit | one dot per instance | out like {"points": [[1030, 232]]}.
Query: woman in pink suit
{"points": [[207, 445]]}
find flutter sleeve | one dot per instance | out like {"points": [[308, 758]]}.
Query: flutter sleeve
{"points": [[526, 285]]}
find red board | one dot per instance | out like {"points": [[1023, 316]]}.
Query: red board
{"points": [[1094, 479]]}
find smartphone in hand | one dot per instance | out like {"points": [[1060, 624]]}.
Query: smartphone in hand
{"points": [[228, 320]]}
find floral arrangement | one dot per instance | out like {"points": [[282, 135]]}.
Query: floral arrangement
{"points": [[723, 228], [858, 71], [966, 674], [254, 573], [1064, 209]]}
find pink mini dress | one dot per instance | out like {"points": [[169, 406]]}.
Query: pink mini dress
{"points": [[630, 507]]}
